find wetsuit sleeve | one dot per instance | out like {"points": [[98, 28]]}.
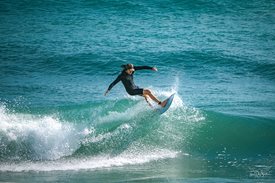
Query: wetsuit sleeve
{"points": [[114, 82], [142, 67]]}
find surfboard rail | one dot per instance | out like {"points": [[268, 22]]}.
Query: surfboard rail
{"points": [[162, 110]]}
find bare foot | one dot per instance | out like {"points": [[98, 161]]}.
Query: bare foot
{"points": [[163, 103]]}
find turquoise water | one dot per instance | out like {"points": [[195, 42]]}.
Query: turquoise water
{"points": [[58, 58]]}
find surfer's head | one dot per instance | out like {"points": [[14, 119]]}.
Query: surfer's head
{"points": [[128, 68]]}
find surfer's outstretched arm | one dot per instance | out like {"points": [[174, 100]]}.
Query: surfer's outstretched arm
{"points": [[145, 67], [113, 84]]}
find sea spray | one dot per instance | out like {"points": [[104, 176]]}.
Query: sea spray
{"points": [[31, 137]]}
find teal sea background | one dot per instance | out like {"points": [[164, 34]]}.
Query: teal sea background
{"points": [[57, 58]]}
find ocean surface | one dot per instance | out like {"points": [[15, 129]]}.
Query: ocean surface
{"points": [[57, 58]]}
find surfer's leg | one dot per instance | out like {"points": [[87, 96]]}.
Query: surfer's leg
{"points": [[146, 99], [149, 93]]}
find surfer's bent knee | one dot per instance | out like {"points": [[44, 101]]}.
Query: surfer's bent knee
{"points": [[146, 92]]}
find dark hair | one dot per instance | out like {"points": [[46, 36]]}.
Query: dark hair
{"points": [[127, 66]]}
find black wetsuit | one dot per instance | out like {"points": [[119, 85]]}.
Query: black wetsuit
{"points": [[128, 81]]}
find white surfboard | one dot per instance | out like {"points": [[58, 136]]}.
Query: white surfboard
{"points": [[169, 100]]}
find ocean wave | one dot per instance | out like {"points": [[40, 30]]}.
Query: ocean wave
{"points": [[234, 135], [31, 137], [112, 137], [50, 137]]}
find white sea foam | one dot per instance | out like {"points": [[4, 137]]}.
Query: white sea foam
{"points": [[51, 140], [46, 137], [128, 114], [102, 161]]}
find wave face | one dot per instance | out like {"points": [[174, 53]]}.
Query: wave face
{"points": [[127, 132], [112, 131]]}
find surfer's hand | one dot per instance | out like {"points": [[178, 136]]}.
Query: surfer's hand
{"points": [[106, 92], [154, 69]]}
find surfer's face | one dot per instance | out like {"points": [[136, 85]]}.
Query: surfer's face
{"points": [[129, 71]]}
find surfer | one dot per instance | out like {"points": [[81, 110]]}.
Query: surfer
{"points": [[126, 77]]}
